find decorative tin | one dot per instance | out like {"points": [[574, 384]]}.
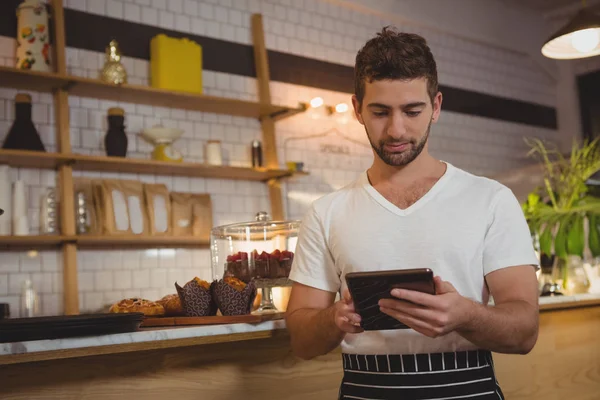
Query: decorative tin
{"points": [[33, 37]]}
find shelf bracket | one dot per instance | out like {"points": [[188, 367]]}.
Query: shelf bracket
{"points": [[68, 86], [70, 240], [69, 162], [286, 113]]}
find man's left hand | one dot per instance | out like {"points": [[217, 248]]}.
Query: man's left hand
{"points": [[432, 315]]}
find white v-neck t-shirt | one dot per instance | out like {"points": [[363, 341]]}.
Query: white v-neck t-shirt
{"points": [[463, 228]]}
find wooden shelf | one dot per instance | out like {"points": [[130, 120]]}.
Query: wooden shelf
{"points": [[140, 94], [143, 166], [31, 80], [32, 242], [32, 159], [39, 242], [61, 85], [82, 162], [132, 241]]}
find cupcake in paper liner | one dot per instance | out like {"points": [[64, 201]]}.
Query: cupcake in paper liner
{"points": [[197, 298], [233, 296]]}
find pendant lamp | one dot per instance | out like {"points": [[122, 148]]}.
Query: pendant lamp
{"points": [[579, 38]]}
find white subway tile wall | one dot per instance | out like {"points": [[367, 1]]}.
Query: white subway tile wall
{"points": [[333, 150]]}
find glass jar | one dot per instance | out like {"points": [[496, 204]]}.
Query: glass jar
{"points": [[576, 280], [261, 250], [592, 267]]}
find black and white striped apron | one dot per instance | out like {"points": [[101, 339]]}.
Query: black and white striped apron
{"points": [[429, 376]]}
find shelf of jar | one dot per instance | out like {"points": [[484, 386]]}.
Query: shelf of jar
{"points": [[199, 170], [139, 241], [31, 242], [31, 80], [82, 162], [140, 94], [32, 159], [41, 242]]}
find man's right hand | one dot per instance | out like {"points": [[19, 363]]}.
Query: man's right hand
{"points": [[316, 322], [345, 316]]}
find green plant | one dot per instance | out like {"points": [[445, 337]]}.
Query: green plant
{"points": [[557, 210]]}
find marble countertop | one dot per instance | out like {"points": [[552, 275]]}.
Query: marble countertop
{"points": [[144, 339], [155, 338], [562, 299], [552, 302]]}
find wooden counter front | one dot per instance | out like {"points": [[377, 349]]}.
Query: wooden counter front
{"points": [[565, 364]]}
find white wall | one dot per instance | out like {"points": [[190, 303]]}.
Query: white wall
{"points": [[491, 21], [321, 29]]}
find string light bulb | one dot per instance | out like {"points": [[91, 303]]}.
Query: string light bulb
{"points": [[341, 108], [316, 102]]}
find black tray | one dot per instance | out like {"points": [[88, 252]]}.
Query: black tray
{"points": [[56, 327]]}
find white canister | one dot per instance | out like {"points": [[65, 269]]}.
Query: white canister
{"points": [[19, 203], [214, 155], [33, 36], [5, 200]]}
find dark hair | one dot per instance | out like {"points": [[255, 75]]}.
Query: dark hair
{"points": [[395, 55]]}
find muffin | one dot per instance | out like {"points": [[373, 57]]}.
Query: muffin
{"points": [[197, 298], [234, 296], [172, 305]]}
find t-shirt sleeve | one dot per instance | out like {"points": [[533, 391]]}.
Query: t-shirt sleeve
{"points": [[313, 264], [508, 240]]}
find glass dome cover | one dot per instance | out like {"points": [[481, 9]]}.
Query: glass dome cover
{"points": [[261, 249]]}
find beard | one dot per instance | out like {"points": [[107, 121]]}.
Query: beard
{"points": [[399, 159]]}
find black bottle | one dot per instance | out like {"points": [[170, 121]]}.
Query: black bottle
{"points": [[115, 141], [257, 155], [22, 134]]}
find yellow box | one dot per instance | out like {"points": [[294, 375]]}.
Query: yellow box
{"points": [[175, 64]]}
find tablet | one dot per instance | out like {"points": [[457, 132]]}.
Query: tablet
{"points": [[367, 288]]}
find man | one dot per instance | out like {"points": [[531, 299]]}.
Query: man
{"points": [[409, 210]]}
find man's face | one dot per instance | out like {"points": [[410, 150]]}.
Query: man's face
{"points": [[397, 116]]}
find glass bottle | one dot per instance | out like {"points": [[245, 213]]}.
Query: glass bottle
{"points": [[22, 134], [257, 156], [29, 300]]}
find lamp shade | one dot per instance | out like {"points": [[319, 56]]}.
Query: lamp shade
{"points": [[579, 38]]}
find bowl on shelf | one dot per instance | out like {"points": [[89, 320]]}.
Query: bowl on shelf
{"points": [[160, 134], [162, 138]]}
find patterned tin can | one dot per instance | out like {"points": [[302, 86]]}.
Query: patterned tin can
{"points": [[33, 37]]}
